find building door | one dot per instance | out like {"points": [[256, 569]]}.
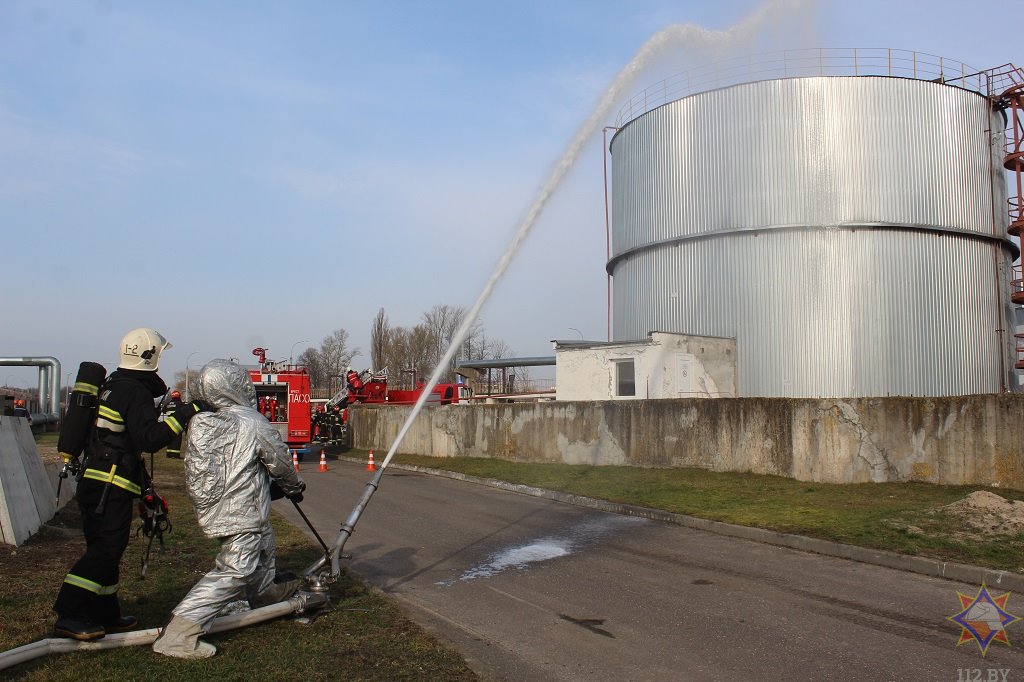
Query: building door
{"points": [[685, 366]]}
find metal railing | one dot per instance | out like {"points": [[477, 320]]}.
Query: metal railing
{"points": [[509, 386], [481, 388], [814, 62]]}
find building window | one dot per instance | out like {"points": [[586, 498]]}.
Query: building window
{"points": [[625, 378]]}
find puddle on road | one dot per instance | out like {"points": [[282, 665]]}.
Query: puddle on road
{"points": [[520, 557]]}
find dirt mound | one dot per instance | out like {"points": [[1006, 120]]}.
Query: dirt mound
{"points": [[987, 513]]}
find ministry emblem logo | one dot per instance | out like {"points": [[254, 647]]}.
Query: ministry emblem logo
{"points": [[983, 618]]}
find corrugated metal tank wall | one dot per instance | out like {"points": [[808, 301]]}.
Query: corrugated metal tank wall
{"points": [[848, 232]]}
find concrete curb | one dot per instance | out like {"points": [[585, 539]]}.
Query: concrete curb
{"points": [[964, 573]]}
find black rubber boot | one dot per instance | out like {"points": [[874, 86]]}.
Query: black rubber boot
{"points": [[122, 624], [77, 629]]}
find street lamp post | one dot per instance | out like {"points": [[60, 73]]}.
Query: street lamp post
{"points": [[187, 395], [577, 331], [292, 351]]}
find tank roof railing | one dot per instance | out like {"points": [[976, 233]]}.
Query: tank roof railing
{"points": [[815, 62]]}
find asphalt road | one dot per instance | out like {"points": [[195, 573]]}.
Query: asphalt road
{"points": [[530, 589]]}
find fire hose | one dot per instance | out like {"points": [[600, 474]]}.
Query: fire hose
{"points": [[300, 603]]}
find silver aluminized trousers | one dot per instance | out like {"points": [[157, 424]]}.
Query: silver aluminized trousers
{"points": [[244, 567]]}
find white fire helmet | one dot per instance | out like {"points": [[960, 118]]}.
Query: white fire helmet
{"points": [[141, 349]]}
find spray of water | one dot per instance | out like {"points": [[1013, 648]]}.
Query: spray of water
{"points": [[676, 36]]}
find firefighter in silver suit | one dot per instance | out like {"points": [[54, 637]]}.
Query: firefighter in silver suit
{"points": [[232, 455]]}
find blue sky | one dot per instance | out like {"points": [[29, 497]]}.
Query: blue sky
{"points": [[263, 173]]}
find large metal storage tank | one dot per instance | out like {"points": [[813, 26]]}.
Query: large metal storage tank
{"points": [[847, 231]]}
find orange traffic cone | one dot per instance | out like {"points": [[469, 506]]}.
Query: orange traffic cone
{"points": [[323, 461], [295, 460], [369, 463]]}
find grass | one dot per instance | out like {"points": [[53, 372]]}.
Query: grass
{"points": [[367, 638], [46, 438], [364, 637], [897, 517]]}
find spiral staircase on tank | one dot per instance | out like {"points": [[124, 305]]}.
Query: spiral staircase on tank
{"points": [[1008, 80]]}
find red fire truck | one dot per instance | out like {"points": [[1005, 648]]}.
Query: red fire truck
{"points": [[282, 396], [330, 419], [370, 387]]}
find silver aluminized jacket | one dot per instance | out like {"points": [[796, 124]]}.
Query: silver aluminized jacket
{"points": [[231, 455]]}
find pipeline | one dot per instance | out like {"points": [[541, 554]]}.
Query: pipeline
{"points": [[44, 418], [49, 382], [298, 604]]}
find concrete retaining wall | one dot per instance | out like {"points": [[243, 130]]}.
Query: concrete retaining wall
{"points": [[958, 440]]}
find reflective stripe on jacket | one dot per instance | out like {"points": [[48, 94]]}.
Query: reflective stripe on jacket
{"points": [[127, 425]]}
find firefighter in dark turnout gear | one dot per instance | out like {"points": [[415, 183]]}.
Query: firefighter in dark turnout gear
{"points": [[113, 476], [174, 447]]}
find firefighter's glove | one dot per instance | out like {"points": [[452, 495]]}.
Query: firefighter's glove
{"points": [[296, 496], [276, 491], [178, 419], [203, 406]]}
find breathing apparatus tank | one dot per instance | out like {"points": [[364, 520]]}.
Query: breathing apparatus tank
{"points": [[83, 404]]}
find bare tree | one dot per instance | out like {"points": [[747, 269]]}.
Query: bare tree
{"points": [[417, 351], [380, 338], [477, 346], [329, 360], [496, 349], [421, 357], [191, 383], [313, 360], [392, 353], [442, 322], [337, 356]]}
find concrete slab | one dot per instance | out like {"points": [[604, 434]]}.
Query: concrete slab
{"points": [[19, 518], [35, 471]]}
